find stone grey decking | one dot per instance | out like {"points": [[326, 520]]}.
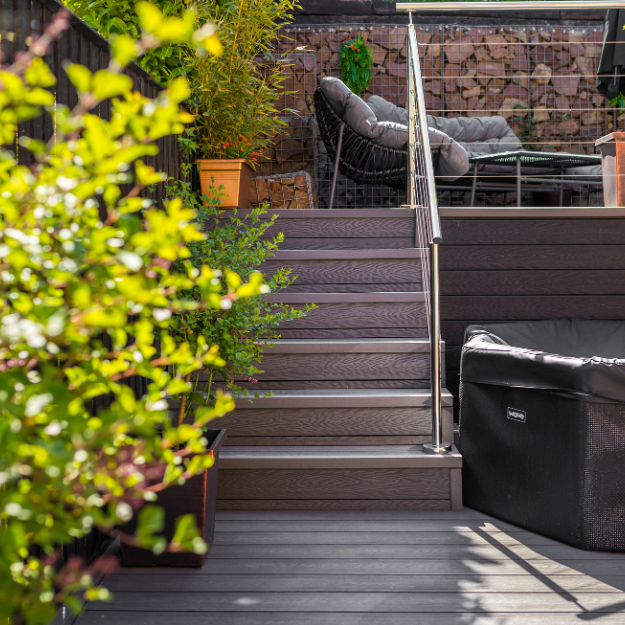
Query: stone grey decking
{"points": [[372, 568]]}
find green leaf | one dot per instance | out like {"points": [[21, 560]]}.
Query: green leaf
{"points": [[124, 49], [107, 84], [79, 76]]}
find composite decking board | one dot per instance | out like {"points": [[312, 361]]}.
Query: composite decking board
{"points": [[377, 439], [361, 315], [332, 483], [518, 257], [520, 308], [334, 504], [533, 231], [366, 271], [119, 582], [544, 554], [348, 243], [399, 287], [368, 255], [334, 457], [295, 537], [503, 282], [416, 603], [347, 298], [273, 385], [327, 618], [393, 566], [339, 398], [342, 346], [365, 333], [387, 421], [350, 366]]}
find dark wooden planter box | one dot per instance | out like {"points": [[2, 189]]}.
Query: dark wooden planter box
{"points": [[197, 496]]}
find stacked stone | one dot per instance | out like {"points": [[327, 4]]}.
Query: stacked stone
{"points": [[542, 81], [286, 191]]}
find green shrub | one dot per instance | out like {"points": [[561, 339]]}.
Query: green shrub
{"points": [[241, 332], [233, 98], [83, 302], [356, 64]]}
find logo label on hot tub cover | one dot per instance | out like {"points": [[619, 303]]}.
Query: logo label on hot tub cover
{"points": [[514, 414]]}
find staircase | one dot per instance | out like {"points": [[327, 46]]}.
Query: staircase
{"points": [[350, 382]]}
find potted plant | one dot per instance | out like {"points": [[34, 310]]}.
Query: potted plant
{"points": [[234, 98], [86, 305]]}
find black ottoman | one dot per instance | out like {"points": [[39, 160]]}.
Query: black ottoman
{"points": [[542, 427]]}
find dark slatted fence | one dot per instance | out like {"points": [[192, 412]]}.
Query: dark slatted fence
{"points": [[19, 21], [22, 19]]}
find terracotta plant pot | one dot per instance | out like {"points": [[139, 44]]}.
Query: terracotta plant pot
{"points": [[197, 496], [234, 174]]}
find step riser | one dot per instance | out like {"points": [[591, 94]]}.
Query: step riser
{"points": [[374, 366], [345, 229], [402, 317], [333, 484], [333, 426], [334, 276]]}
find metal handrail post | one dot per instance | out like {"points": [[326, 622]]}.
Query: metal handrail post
{"points": [[411, 191], [438, 445]]}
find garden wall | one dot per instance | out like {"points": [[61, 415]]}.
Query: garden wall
{"points": [[540, 77]]}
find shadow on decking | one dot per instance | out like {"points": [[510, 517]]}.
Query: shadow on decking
{"points": [[365, 568]]}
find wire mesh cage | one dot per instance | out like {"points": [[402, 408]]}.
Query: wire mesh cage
{"points": [[541, 79]]}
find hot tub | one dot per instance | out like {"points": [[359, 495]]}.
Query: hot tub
{"points": [[542, 427]]}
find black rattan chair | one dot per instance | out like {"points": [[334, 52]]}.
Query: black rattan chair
{"points": [[355, 156]]}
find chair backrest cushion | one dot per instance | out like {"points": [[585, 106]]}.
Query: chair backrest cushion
{"points": [[359, 117]]}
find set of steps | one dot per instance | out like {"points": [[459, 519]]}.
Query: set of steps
{"points": [[350, 383]]}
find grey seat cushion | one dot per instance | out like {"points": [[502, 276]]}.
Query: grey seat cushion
{"points": [[358, 116], [386, 124]]}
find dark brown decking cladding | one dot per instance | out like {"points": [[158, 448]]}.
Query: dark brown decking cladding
{"points": [[500, 265], [372, 568]]}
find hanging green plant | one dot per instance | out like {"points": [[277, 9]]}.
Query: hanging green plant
{"points": [[356, 64]]}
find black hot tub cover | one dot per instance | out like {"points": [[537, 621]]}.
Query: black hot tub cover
{"points": [[583, 359]]}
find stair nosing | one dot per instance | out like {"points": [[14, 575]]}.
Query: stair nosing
{"points": [[339, 398], [352, 457], [344, 346]]}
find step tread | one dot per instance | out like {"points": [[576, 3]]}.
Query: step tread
{"points": [[339, 254], [342, 346], [335, 457], [343, 398], [380, 297]]}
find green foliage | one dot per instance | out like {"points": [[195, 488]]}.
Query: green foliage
{"points": [[233, 95], [112, 18], [242, 329], [356, 64], [86, 294], [618, 102]]}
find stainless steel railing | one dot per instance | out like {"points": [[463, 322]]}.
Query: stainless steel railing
{"points": [[422, 199]]}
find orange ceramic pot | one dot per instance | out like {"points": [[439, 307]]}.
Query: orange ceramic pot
{"points": [[233, 174]]}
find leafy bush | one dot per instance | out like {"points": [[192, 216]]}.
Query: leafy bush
{"points": [[356, 64], [116, 17], [86, 293], [235, 244], [231, 96]]}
